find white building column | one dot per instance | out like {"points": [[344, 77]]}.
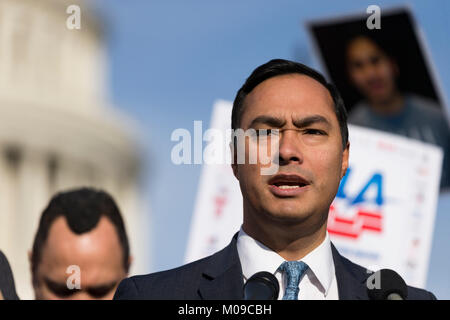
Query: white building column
{"points": [[137, 223], [71, 174], [32, 197]]}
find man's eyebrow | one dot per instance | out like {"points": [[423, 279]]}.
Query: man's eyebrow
{"points": [[269, 120], [59, 288], [102, 289], [307, 121], [103, 286], [55, 283]]}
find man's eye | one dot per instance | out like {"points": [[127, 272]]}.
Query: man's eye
{"points": [[314, 132], [266, 132]]}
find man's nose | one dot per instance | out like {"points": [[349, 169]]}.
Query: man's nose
{"points": [[289, 147]]}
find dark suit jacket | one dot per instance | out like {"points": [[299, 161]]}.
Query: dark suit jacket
{"points": [[219, 277], [6, 280]]}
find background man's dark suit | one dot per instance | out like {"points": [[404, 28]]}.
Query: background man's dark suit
{"points": [[220, 277], [7, 286]]}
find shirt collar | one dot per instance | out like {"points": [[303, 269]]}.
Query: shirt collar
{"points": [[256, 257], [321, 263]]}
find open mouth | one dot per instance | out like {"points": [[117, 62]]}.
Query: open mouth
{"points": [[287, 184]]}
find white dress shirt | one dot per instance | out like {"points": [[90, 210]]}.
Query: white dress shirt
{"points": [[318, 282]]}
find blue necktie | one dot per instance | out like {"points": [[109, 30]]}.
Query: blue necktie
{"points": [[293, 271]]}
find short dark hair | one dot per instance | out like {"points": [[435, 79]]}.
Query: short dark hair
{"points": [[278, 67], [82, 208]]}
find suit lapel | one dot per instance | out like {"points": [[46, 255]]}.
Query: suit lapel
{"points": [[351, 282], [222, 278]]}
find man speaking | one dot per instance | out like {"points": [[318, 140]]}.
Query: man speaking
{"points": [[284, 228]]}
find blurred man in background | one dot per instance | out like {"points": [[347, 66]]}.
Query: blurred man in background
{"points": [[7, 287], [374, 73], [81, 234]]}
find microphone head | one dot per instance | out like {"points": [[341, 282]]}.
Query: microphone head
{"points": [[261, 286], [387, 282]]}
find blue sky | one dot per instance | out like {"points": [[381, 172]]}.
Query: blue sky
{"points": [[170, 60]]}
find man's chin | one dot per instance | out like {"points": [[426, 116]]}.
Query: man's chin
{"points": [[287, 217]]}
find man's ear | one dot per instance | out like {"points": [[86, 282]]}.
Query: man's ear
{"points": [[234, 165], [130, 261], [33, 275], [30, 255], [345, 156]]}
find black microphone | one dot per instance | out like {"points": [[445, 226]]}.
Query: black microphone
{"points": [[261, 286], [388, 285]]}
